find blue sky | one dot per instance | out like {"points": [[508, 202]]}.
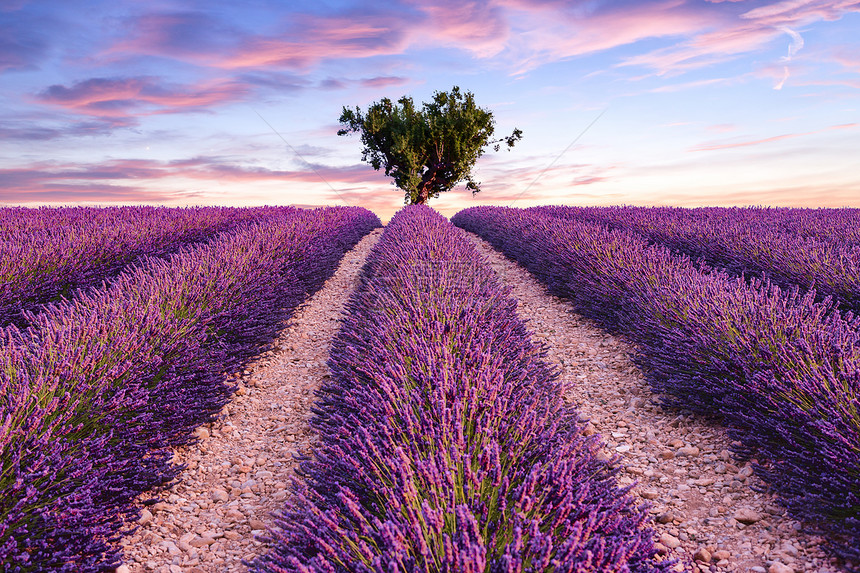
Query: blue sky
{"points": [[170, 102]]}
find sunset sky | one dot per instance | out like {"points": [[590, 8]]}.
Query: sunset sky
{"points": [[703, 102]]}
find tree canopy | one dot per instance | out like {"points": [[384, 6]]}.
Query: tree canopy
{"points": [[428, 150]]}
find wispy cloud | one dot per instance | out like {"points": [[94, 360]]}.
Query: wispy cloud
{"points": [[123, 99], [524, 33], [722, 127], [215, 169], [182, 35], [84, 193], [795, 45], [312, 39], [383, 81], [480, 27], [693, 84], [848, 60], [832, 195], [27, 130], [378, 82], [788, 12], [57, 183], [528, 181], [731, 34], [719, 146], [553, 31], [302, 40]]}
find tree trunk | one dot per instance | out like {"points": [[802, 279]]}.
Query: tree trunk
{"points": [[423, 195], [427, 181]]}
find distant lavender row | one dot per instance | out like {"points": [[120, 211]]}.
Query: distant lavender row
{"points": [[805, 248], [46, 253], [445, 444], [840, 227], [96, 390], [782, 371]]}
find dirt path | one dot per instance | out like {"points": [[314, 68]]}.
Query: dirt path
{"points": [[702, 501], [238, 472]]}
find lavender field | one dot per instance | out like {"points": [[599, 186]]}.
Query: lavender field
{"points": [[442, 438], [779, 369], [98, 387], [444, 442], [47, 253]]}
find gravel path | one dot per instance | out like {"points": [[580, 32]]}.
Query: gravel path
{"points": [[239, 470], [706, 511]]}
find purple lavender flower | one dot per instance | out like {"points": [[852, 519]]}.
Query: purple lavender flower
{"points": [[445, 444], [779, 368], [95, 390]]}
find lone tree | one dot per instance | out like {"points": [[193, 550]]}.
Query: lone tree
{"points": [[426, 151]]}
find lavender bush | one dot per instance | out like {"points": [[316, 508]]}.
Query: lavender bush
{"points": [[96, 390], [445, 444], [782, 370], [805, 248], [46, 253]]}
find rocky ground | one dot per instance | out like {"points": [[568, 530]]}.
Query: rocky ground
{"points": [[706, 512]]}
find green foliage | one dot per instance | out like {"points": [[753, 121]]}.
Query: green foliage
{"points": [[429, 150]]}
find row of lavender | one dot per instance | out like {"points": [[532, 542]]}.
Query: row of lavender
{"points": [[45, 253], [836, 226], [805, 248], [781, 370], [445, 444], [96, 390]]}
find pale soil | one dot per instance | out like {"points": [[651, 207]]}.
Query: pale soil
{"points": [[238, 473]]}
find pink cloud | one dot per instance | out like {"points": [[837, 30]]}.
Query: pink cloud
{"points": [[546, 32], [111, 176], [694, 84], [182, 35], [90, 193], [719, 146], [217, 169], [777, 9], [502, 183], [313, 39], [160, 182], [477, 26], [306, 40], [534, 32], [730, 35], [704, 49], [53, 183], [798, 12], [374, 82], [834, 195], [134, 180], [521, 34], [854, 84], [722, 127], [746, 143], [384, 81], [848, 60], [130, 97]]}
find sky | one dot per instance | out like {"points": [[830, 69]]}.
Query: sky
{"points": [[637, 102]]}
